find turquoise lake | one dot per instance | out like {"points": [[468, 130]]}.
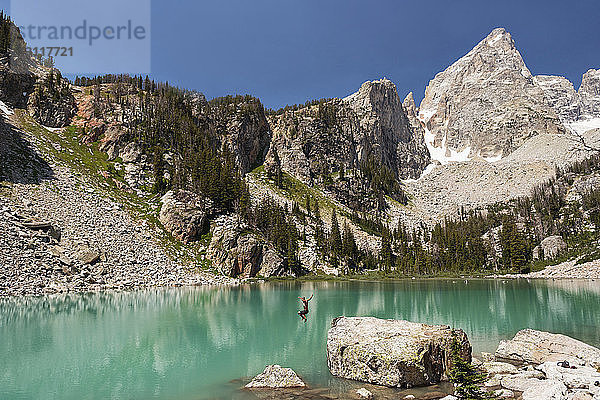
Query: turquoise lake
{"points": [[205, 342]]}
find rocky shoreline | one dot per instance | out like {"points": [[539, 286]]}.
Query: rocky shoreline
{"points": [[380, 356], [60, 236], [565, 270]]}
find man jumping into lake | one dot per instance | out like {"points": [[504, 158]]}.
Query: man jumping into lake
{"points": [[302, 313]]}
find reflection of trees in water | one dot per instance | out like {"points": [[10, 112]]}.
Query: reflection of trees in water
{"points": [[187, 338]]}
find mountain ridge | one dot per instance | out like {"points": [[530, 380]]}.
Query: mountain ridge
{"points": [[335, 186]]}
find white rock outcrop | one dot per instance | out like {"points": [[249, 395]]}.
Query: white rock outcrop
{"points": [[537, 347], [276, 376]]}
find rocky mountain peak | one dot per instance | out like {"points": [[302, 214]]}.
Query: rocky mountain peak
{"points": [[387, 130], [374, 96], [485, 104], [409, 105], [590, 82], [499, 38], [579, 111], [589, 93]]}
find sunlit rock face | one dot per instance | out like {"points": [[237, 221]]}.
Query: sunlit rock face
{"points": [[316, 140], [485, 104], [578, 110], [560, 95], [392, 353], [386, 129], [589, 93]]}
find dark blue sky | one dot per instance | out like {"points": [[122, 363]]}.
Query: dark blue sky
{"points": [[285, 51]]}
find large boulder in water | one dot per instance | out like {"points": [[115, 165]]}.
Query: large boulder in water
{"points": [[536, 347], [275, 376], [392, 353]]}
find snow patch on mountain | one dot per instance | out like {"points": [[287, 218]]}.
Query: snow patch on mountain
{"points": [[5, 109], [442, 154], [584, 125]]}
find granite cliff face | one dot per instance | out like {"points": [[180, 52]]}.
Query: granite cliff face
{"points": [[315, 141], [386, 131], [579, 111], [560, 95], [243, 128], [589, 93], [320, 139], [485, 104]]}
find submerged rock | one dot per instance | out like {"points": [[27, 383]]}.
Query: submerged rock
{"points": [[537, 347], [275, 376], [392, 353], [364, 393]]}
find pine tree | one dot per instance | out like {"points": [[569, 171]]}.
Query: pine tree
{"points": [[317, 211], [307, 205], [349, 247], [386, 255], [466, 378], [335, 238], [276, 172]]}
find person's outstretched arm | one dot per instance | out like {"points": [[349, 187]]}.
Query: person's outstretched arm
{"points": [[311, 296]]}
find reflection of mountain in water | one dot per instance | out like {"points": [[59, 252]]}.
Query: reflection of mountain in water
{"points": [[179, 343]]}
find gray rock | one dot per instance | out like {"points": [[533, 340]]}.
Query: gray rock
{"points": [[574, 108], [581, 377], [519, 383], [476, 362], [589, 93], [494, 382], [494, 368], [319, 143], [185, 214], [545, 390], [537, 347], [87, 256], [392, 353], [550, 248], [52, 105], [244, 130], [275, 376], [505, 394], [364, 393], [387, 131], [236, 252], [580, 396], [560, 95], [37, 225], [272, 264]]}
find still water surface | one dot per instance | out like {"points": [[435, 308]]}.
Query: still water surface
{"points": [[196, 343]]}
